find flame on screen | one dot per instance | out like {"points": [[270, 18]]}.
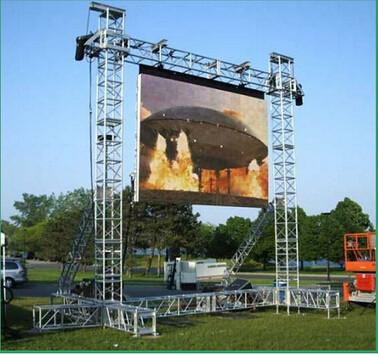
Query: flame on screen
{"points": [[179, 175], [172, 175]]}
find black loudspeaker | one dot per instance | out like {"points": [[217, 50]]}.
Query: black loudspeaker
{"points": [[299, 100], [80, 41]]}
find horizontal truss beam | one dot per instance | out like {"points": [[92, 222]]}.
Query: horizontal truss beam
{"points": [[138, 51], [138, 315], [81, 312], [212, 302]]}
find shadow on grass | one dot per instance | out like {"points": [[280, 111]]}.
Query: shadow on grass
{"points": [[18, 323], [237, 314], [179, 322], [18, 318]]}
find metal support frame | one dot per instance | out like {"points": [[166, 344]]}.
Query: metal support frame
{"points": [[138, 315], [209, 302], [283, 150], [109, 156], [61, 316], [137, 51], [280, 84], [213, 302], [136, 320], [81, 312], [113, 48]]}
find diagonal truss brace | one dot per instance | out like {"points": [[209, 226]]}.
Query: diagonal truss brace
{"points": [[247, 245], [76, 254]]}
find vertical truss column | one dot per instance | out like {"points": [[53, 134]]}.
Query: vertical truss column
{"points": [[285, 200], [109, 157]]}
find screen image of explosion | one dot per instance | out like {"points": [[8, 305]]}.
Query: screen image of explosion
{"points": [[201, 145]]}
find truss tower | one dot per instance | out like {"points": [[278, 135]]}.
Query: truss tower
{"points": [[109, 154], [283, 87]]}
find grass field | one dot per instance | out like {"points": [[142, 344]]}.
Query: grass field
{"points": [[261, 330]]}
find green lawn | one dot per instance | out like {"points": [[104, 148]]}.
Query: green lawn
{"points": [[261, 330]]}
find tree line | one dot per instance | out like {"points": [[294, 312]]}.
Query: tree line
{"points": [[45, 225]]}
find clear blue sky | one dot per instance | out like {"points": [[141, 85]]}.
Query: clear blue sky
{"points": [[44, 92]]}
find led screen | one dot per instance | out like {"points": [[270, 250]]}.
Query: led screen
{"points": [[200, 141]]}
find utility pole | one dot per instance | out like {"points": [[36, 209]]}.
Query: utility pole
{"points": [[328, 241]]}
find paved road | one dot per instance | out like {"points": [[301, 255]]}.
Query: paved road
{"points": [[36, 289]]}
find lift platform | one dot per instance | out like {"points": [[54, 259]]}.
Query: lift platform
{"points": [[360, 258]]}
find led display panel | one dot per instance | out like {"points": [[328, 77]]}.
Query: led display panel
{"points": [[200, 141]]}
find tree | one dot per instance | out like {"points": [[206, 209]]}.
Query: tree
{"points": [[331, 234], [30, 239], [351, 216], [223, 244], [264, 250], [239, 228], [156, 226], [323, 236], [200, 246], [347, 217], [63, 224], [9, 230], [183, 227], [309, 238], [32, 209], [308, 235]]}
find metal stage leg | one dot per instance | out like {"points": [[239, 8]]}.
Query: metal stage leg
{"points": [[285, 197], [109, 160]]}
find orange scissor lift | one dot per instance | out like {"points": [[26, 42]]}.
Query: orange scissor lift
{"points": [[359, 251]]}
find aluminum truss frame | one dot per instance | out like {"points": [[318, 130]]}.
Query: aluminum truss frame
{"points": [[137, 51], [323, 299], [135, 320], [138, 315], [200, 303], [82, 312], [61, 316], [213, 302], [282, 90], [109, 157], [279, 83], [113, 48]]}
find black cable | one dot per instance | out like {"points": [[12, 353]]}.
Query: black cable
{"points": [[90, 127], [90, 117]]}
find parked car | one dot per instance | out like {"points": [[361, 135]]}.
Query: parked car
{"points": [[15, 272]]}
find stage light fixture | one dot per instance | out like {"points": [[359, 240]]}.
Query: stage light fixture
{"points": [[157, 46], [242, 67]]}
